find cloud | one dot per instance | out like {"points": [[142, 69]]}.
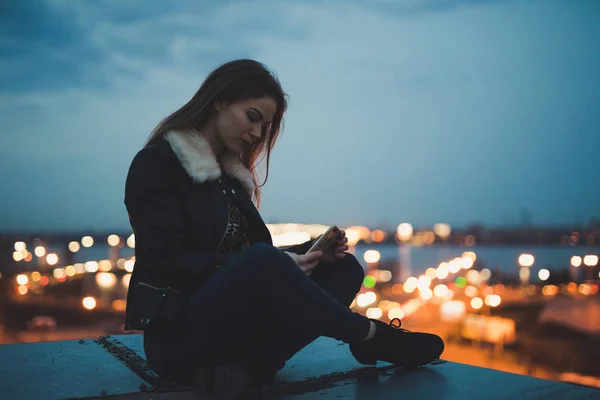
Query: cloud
{"points": [[406, 100], [150, 62], [38, 41], [52, 44]]}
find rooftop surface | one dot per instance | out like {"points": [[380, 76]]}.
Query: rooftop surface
{"points": [[114, 367]]}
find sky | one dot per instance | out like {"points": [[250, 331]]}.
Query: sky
{"points": [[419, 111]]}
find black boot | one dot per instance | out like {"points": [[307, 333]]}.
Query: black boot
{"points": [[398, 346], [226, 382], [234, 380]]}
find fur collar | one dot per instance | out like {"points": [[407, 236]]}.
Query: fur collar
{"points": [[199, 161]]}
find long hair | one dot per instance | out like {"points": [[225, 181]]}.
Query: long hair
{"points": [[233, 81]]}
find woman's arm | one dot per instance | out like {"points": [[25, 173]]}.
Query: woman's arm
{"points": [[154, 209]]}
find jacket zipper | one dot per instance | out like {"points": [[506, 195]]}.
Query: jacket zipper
{"points": [[226, 225], [160, 289], [225, 232]]}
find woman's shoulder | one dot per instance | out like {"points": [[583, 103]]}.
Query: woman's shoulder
{"points": [[155, 158], [158, 149], [158, 152]]}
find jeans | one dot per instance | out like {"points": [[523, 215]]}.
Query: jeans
{"points": [[260, 308]]}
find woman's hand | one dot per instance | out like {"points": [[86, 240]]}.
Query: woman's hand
{"points": [[338, 249], [306, 262]]}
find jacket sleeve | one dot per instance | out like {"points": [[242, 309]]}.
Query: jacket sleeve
{"points": [[154, 210]]}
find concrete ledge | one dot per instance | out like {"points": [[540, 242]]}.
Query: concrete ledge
{"points": [[115, 367]]}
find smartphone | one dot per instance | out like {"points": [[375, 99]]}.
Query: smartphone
{"points": [[327, 240]]}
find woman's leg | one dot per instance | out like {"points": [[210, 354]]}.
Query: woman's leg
{"points": [[165, 347], [342, 279], [224, 316]]}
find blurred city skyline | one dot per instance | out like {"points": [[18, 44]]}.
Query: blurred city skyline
{"points": [[459, 112]]}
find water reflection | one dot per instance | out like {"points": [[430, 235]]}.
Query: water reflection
{"points": [[404, 264]]}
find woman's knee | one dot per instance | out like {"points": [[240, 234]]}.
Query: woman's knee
{"points": [[354, 269], [347, 278]]}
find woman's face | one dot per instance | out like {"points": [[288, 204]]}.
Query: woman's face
{"points": [[242, 123]]}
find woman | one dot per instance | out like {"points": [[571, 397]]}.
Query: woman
{"points": [[217, 301]]}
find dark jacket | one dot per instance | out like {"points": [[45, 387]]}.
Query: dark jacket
{"points": [[177, 197]]}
